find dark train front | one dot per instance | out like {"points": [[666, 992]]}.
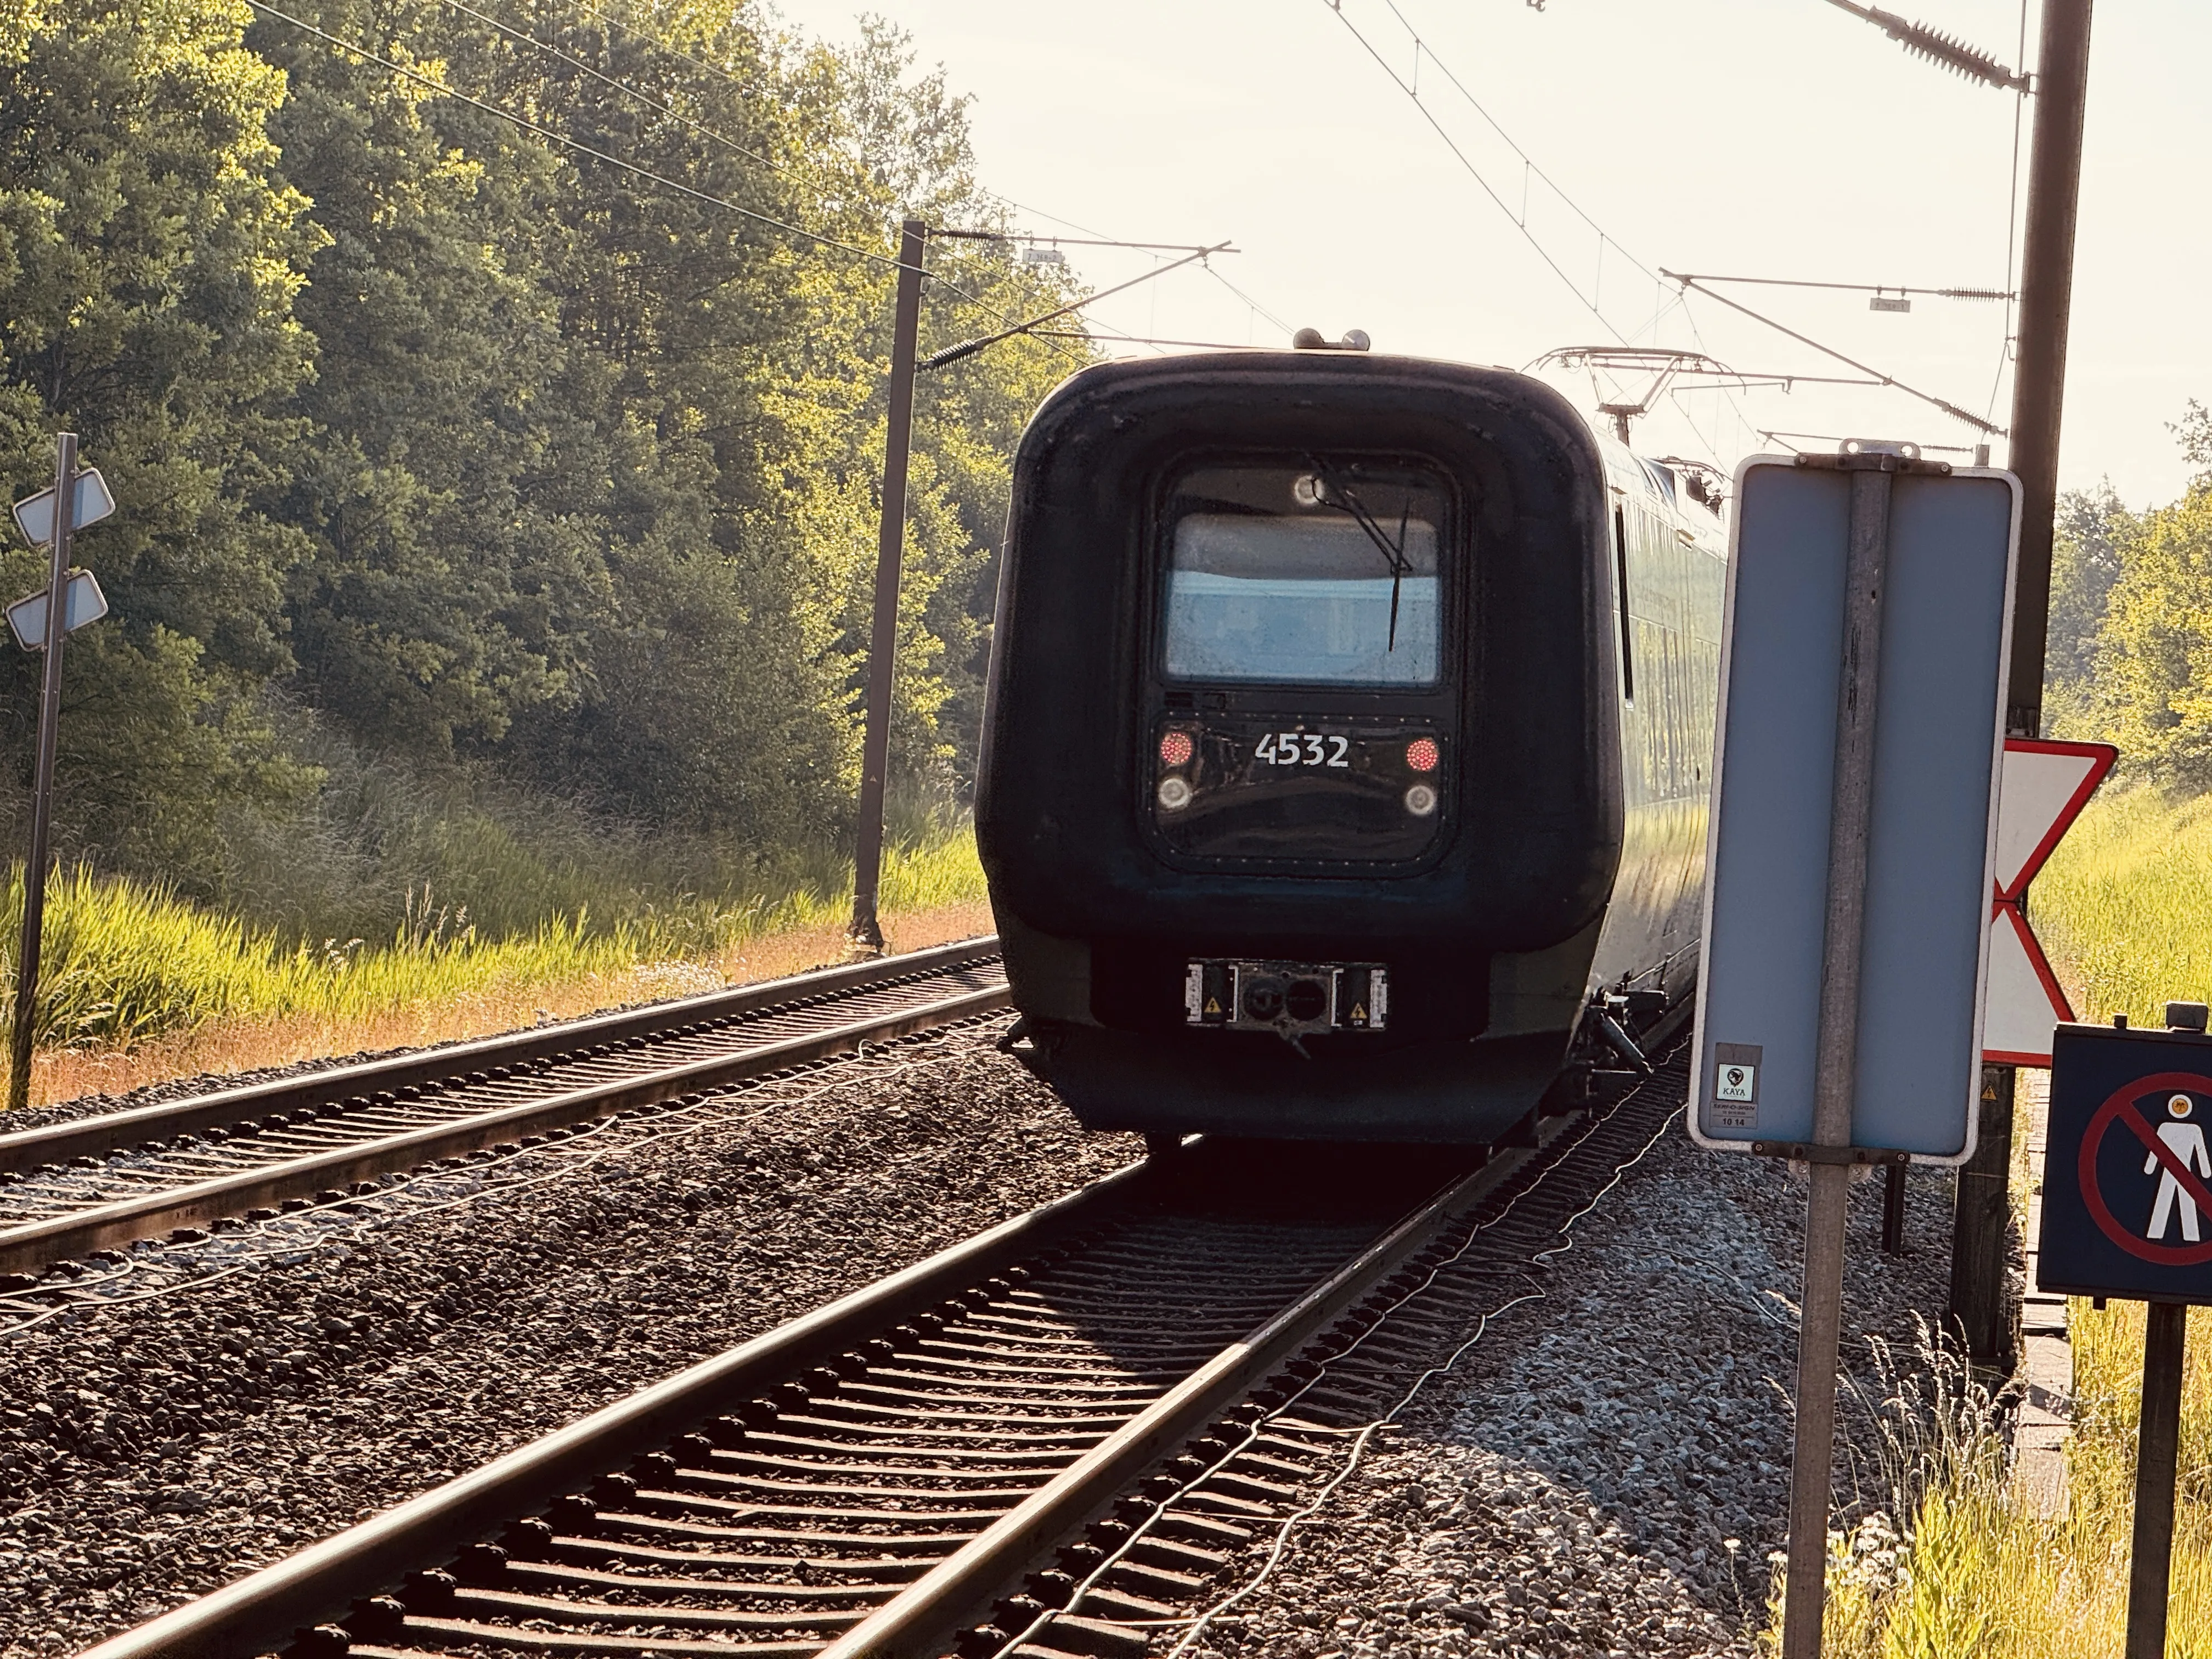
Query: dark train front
{"points": [[1344, 770]]}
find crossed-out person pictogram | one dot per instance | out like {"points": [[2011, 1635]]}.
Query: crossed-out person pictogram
{"points": [[2175, 1150]]}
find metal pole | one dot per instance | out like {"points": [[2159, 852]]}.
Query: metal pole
{"points": [[1981, 1227], [42, 785], [1893, 1210], [2046, 295], [1981, 1238], [1819, 1324], [2157, 1443], [866, 935]]}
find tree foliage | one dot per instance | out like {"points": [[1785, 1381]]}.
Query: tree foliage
{"points": [[476, 449], [2130, 656]]}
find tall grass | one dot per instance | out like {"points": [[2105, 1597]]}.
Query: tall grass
{"points": [[2125, 905], [125, 962], [1969, 1571], [1978, 1576]]}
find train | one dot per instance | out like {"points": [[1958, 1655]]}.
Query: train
{"points": [[1346, 749]]}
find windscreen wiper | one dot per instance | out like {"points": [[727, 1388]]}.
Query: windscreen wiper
{"points": [[1393, 552]]}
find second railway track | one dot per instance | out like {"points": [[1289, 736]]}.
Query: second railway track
{"points": [[1094, 1406], [75, 1188]]}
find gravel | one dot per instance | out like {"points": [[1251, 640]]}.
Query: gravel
{"points": [[241, 1396], [1606, 1470]]}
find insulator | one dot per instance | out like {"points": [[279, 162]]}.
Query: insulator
{"points": [[1942, 48]]}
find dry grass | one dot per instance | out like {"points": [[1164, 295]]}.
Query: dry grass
{"points": [[2124, 904], [248, 1044], [137, 986]]}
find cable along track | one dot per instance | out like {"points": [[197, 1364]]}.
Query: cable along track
{"points": [[70, 1189], [873, 1477]]}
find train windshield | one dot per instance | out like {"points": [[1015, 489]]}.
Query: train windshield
{"points": [[1321, 573]]}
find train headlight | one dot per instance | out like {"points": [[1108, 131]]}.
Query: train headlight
{"points": [[1420, 800], [1174, 794]]}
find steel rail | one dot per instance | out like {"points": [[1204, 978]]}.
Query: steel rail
{"points": [[57, 1143], [264, 1612], [36, 1245], [915, 1624], [258, 1611]]}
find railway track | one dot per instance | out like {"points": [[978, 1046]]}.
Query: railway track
{"points": [[76, 1189], [1057, 1437]]}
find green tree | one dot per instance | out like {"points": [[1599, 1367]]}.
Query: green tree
{"points": [[2154, 665], [478, 466], [2093, 531], [149, 259]]}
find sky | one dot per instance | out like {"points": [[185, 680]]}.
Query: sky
{"points": [[1768, 138]]}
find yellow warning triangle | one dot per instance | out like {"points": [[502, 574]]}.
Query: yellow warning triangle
{"points": [[1360, 1011], [1212, 1006]]}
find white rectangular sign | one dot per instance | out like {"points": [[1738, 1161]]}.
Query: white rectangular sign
{"points": [[85, 603], [1939, 729], [34, 514]]}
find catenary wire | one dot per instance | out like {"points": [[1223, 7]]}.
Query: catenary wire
{"points": [[541, 131], [1423, 49], [1472, 172], [1950, 409], [643, 97], [1527, 160], [2011, 221], [577, 145], [523, 37], [1249, 301]]}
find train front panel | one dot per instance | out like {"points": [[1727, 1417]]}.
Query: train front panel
{"points": [[1302, 798]]}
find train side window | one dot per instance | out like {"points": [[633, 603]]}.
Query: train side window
{"points": [[1620, 591]]}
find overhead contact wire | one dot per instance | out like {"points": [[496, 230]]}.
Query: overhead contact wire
{"points": [[623, 87], [1930, 398], [561, 138], [1472, 172]]}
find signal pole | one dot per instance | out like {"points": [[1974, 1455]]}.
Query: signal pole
{"points": [[866, 934], [42, 785], [1981, 1232]]}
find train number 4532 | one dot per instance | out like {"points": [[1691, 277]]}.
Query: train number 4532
{"points": [[1302, 748]]}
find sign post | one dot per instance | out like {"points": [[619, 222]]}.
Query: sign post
{"points": [[76, 499], [2127, 1192], [866, 932], [1849, 862]]}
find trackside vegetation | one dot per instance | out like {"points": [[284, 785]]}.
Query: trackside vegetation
{"points": [[1975, 1572], [496, 517], [139, 983], [498, 497]]}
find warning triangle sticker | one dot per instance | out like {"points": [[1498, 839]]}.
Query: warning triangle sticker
{"points": [[1213, 1006]]}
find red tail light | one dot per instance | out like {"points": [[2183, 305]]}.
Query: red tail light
{"points": [[1421, 754], [1176, 749]]}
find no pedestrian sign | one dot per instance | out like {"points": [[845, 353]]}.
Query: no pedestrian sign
{"points": [[2127, 1180]]}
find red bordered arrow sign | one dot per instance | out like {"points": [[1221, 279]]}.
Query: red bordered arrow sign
{"points": [[2043, 790]]}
